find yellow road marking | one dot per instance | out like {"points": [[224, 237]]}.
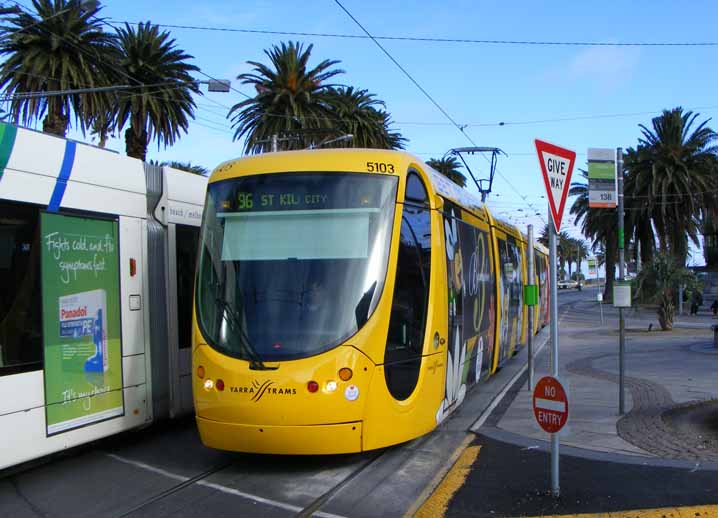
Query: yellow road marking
{"points": [[695, 511], [435, 506]]}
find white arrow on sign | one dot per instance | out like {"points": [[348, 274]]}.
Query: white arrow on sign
{"points": [[557, 166]]}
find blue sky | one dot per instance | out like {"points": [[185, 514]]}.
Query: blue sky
{"points": [[475, 83]]}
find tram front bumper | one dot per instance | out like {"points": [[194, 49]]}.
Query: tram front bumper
{"points": [[284, 440]]}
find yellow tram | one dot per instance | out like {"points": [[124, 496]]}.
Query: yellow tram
{"points": [[345, 300]]}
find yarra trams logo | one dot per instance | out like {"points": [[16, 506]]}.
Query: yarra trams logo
{"points": [[258, 390]]}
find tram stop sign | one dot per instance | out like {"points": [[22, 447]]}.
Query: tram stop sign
{"points": [[550, 404]]}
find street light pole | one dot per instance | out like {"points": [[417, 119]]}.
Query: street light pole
{"points": [[215, 85]]}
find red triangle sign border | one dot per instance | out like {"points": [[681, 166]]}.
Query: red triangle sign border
{"points": [[546, 147]]}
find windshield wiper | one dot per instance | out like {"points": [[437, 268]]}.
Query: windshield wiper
{"points": [[255, 361]]}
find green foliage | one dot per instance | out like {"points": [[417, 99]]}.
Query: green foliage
{"points": [[670, 174], [358, 113], [299, 105], [449, 167], [290, 99], [59, 47], [658, 282], [188, 167], [162, 107]]}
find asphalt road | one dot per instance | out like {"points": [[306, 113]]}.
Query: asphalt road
{"points": [[513, 480]]}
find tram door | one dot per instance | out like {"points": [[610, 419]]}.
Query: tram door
{"points": [[182, 246]]}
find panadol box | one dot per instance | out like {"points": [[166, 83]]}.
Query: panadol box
{"points": [[83, 318]]}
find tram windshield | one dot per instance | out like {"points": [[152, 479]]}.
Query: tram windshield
{"points": [[292, 265]]}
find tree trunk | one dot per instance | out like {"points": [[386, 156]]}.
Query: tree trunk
{"points": [[679, 248], [648, 242], [136, 143], [666, 313], [55, 122]]}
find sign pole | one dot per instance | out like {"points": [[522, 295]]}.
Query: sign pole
{"points": [[555, 490], [556, 167], [622, 277], [531, 281]]}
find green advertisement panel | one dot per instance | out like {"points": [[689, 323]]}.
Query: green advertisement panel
{"points": [[81, 321]]}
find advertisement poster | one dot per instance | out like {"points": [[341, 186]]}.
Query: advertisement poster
{"points": [[81, 321]]}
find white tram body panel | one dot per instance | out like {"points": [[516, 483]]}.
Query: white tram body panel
{"points": [[43, 173]]}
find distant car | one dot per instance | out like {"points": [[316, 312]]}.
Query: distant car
{"points": [[564, 285]]}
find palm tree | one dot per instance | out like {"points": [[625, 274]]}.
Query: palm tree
{"points": [[186, 166], [581, 251], [162, 106], [598, 225], [638, 214], [662, 277], [671, 170], [565, 249], [359, 113], [449, 167], [394, 139], [291, 101], [59, 47]]}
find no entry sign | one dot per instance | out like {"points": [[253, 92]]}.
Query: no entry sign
{"points": [[550, 404]]}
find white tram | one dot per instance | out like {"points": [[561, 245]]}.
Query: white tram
{"points": [[97, 257]]}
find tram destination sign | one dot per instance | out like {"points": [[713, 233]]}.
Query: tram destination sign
{"points": [[550, 404], [602, 192], [556, 166]]}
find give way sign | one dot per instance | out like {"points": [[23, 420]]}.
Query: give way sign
{"points": [[556, 166], [550, 404]]}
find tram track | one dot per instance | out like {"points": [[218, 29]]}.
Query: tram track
{"points": [[172, 490], [313, 509]]}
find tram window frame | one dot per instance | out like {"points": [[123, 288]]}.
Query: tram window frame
{"points": [[402, 360], [34, 304]]}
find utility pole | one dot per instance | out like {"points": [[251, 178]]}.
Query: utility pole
{"points": [[531, 284], [622, 277]]}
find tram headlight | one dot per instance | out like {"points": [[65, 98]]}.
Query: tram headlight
{"points": [[331, 386], [208, 384]]}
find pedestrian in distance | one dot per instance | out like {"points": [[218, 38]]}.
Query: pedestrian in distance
{"points": [[696, 302], [714, 308]]}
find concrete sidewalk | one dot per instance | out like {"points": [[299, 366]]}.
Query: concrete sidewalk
{"points": [[663, 370]]}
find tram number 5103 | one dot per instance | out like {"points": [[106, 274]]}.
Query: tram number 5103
{"points": [[379, 167]]}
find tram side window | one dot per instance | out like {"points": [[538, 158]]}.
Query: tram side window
{"points": [[411, 297], [187, 241], [20, 298]]}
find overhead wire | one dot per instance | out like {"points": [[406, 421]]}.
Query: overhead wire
{"points": [[433, 39], [426, 94]]}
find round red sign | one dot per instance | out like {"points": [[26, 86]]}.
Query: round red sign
{"points": [[550, 404]]}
